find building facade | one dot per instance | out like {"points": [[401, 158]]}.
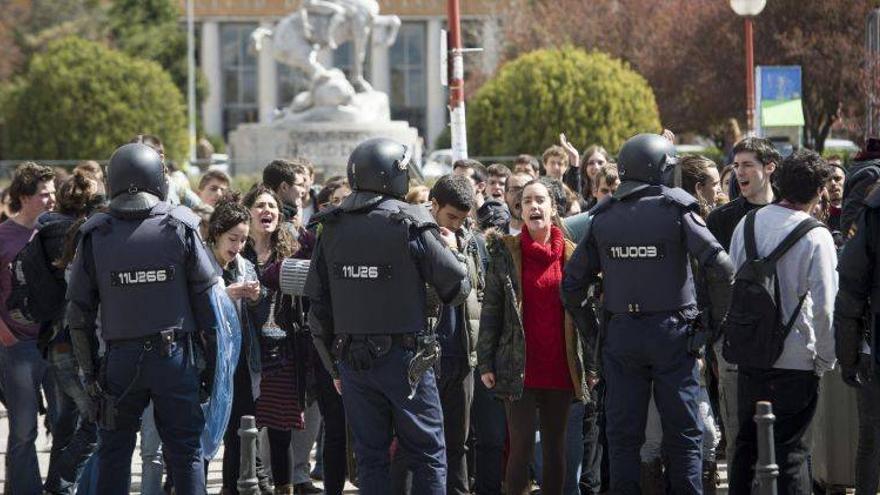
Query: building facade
{"points": [[246, 86]]}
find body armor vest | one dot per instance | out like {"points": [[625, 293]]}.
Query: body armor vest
{"points": [[375, 284], [643, 255], [140, 266]]}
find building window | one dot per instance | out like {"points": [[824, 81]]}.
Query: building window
{"points": [[239, 67], [408, 81]]}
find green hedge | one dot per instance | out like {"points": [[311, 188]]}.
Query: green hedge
{"points": [[591, 97], [80, 99]]}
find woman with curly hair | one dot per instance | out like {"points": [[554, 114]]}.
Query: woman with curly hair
{"points": [[228, 229], [285, 345]]}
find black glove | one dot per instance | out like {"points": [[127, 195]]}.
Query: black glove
{"points": [[859, 374], [93, 392], [698, 336]]}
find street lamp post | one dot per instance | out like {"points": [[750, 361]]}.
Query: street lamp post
{"points": [[749, 9], [191, 80], [458, 130]]}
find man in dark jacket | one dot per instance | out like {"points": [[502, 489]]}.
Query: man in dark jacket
{"points": [[861, 176], [754, 163], [855, 326], [456, 327]]}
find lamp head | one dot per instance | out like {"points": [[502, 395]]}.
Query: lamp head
{"points": [[748, 7]]}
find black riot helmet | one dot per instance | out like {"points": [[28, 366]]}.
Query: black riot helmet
{"points": [[648, 158], [136, 178], [380, 165]]}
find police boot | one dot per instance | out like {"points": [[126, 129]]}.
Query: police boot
{"points": [[651, 479], [284, 489], [710, 477]]}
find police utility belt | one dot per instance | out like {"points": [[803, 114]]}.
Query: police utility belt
{"points": [[360, 351], [164, 342], [699, 328]]}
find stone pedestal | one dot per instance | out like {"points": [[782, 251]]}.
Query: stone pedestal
{"points": [[326, 144]]}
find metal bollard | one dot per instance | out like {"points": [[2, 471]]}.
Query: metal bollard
{"points": [[247, 473], [766, 471]]}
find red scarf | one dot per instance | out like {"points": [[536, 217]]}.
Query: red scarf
{"points": [[540, 252], [543, 314]]}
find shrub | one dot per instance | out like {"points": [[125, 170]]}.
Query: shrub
{"points": [[591, 97], [81, 100], [151, 30]]}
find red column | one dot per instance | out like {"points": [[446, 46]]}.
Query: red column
{"points": [[750, 77], [457, 129]]}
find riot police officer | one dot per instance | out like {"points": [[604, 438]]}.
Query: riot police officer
{"points": [[146, 266], [640, 239], [856, 334], [375, 253]]}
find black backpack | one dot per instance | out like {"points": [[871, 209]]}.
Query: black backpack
{"points": [[754, 333], [38, 288]]}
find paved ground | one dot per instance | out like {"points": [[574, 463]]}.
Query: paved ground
{"points": [[44, 444], [214, 473]]}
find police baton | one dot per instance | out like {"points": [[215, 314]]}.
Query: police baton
{"points": [[766, 470]]}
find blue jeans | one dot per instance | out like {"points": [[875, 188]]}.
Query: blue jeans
{"points": [[87, 484], [22, 370], [378, 405], [152, 462], [574, 448], [490, 431], [318, 470], [134, 376], [302, 442], [642, 355], [867, 467], [74, 437]]}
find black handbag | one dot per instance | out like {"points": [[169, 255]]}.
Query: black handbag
{"points": [[274, 344]]}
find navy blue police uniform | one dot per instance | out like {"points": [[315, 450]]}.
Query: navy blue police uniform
{"points": [[641, 240], [857, 330], [146, 267], [367, 291], [858, 296]]}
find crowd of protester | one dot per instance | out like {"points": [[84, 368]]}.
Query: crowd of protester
{"points": [[518, 225]]}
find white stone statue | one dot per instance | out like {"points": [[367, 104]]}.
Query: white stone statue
{"points": [[296, 41]]}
